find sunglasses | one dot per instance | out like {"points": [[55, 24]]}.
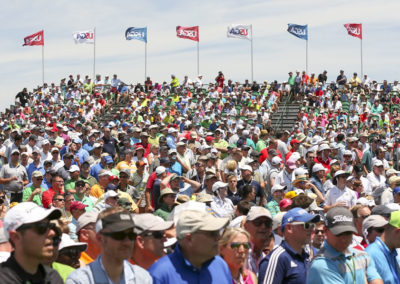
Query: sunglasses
{"points": [[59, 199], [237, 245], [40, 228], [306, 226], [258, 223], [379, 230], [39, 178], [155, 234], [120, 236], [319, 232], [364, 217], [70, 252]]}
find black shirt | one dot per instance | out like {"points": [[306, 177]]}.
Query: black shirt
{"points": [[23, 97], [11, 273]]}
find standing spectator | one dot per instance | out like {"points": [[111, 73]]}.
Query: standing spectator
{"points": [[13, 177]]}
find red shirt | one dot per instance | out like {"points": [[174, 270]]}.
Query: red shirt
{"points": [[47, 197], [264, 154], [146, 148], [323, 163]]}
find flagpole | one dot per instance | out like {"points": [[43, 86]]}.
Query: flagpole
{"points": [[362, 75], [94, 54], [251, 28], [43, 64], [198, 51], [307, 55], [145, 61]]}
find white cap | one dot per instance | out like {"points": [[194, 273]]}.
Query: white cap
{"points": [[323, 147], [26, 213], [276, 187], [218, 185], [295, 156], [318, 167], [277, 220], [172, 151], [74, 168], [246, 168], [276, 160], [110, 193], [377, 163], [160, 170], [67, 242], [347, 153], [172, 130]]}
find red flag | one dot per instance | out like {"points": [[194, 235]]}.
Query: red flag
{"points": [[191, 33], [34, 39], [354, 30]]}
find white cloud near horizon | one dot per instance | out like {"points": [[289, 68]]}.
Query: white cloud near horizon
{"points": [[275, 51]]}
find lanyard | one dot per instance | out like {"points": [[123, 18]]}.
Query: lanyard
{"points": [[353, 272]]}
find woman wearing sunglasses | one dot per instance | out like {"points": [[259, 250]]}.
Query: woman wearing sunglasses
{"points": [[234, 248]]}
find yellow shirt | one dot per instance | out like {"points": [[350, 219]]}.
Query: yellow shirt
{"points": [[125, 165], [97, 190], [154, 140]]}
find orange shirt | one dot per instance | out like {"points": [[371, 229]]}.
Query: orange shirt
{"points": [[97, 190], [85, 259]]}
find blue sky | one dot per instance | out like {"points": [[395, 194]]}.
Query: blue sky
{"points": [[275, 51]]}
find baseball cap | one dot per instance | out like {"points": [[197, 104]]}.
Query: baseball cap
{"points": [[85, 219], [318, 167], [77, 205], [373, 221], [160, 170], [219, 184], [116, 222], [104, 173], [74, 168], [396, 190], [148, 222], [246, 168], [298, 215], [294, 141], [256, 212], [125, 203], [67, 242], [285, 203], [395, 219], [204, 197], [110, 193], [382, 210], [340, 220], [26, 213], [291, 164], [191, 221], [276, 161], [377, 163], [36, 174], [108, 159], [277, 187]]}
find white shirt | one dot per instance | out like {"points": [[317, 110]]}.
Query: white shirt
{"points": [[285, 179], [336, 195], [375, 180], [222, 208]]}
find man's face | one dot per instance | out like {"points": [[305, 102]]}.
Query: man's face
{"points": [[37, 181], [34, 240], [362, 214], [301, 232], [205, 244], [340, 242], [59, 201], [15, 158], [153, 243], [319, 236], [278, 195], [119, 249], [259, 230]]}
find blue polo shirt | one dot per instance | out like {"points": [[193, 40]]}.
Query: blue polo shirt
{"points": [[385, 261], [175, 269], [284, 265], [331, 267]]}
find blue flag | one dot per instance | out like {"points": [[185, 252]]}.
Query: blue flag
{"points": [[298, 30], [136, 33]]}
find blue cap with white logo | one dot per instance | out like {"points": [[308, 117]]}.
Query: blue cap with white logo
{"points": [[298, 215]]}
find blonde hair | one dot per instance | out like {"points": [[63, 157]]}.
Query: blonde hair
{"points": [[231, 165], [229, 233]]}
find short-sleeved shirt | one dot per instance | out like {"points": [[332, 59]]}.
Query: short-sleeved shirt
{"points": [[284, 265], [174, 269], [336, 195], [385, 261], [330, 266], [37, 198], [273, 207], [8, 171]]}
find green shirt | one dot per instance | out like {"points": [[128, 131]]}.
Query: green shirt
{"points": [[69, 184], [37, 198], [62, 269], [163, 212], [261, 145]]}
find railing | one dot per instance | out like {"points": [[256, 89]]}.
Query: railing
{"points": [[283, 112]]}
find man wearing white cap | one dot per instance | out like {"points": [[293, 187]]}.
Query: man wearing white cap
{"points": [[221, 205], [149, 243], [27, 226], [247, 179], [375, 177], [171, 139], [318, 173], [273, 172], [277, 195], [195, 258]]}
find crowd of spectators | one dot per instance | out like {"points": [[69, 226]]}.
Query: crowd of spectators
{"points": [[185, 182]]}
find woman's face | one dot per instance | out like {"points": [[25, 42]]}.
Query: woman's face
{"points": [[234, 252], [232, 183]]}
